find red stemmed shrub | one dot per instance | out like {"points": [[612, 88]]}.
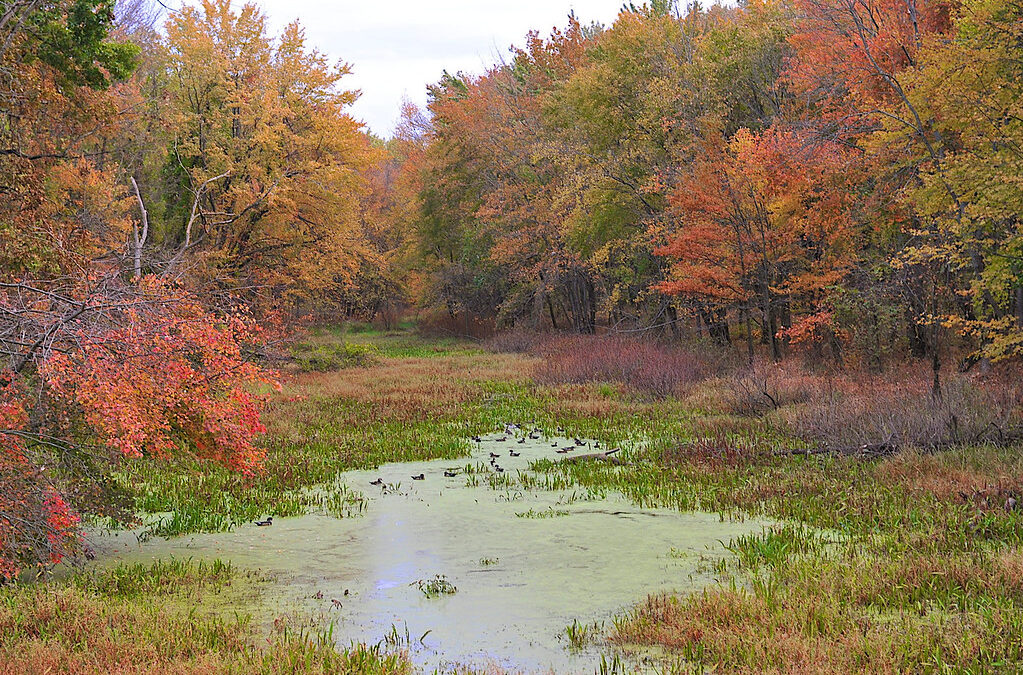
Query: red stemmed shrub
{"points": [[641, 365]]}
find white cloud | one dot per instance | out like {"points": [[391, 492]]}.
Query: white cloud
{"points": [[398, 47]]}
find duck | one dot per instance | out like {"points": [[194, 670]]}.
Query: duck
{"points": [[377, 482], [521, 441], [498, 469], [554, 445], [494, 454], [514, 454], [502, 439], [450, 474], [265, 523], [579, 441], [419, 477], [563, 451], [477, 439]]}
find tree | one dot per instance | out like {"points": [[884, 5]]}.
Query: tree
{"points": [[269, 161]]}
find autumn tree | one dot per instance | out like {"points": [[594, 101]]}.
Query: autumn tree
{"points": [[261, 163], [98, 363]]}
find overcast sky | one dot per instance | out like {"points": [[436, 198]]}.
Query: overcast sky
{"points": [[397, 47]]}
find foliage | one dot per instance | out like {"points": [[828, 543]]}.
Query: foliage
{"points": [[743, 172]]}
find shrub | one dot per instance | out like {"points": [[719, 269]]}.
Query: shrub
{"points": [[755, 391], [514, 342], [845, 413], [644, 366]]}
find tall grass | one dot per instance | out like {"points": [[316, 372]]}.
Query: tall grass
{"points": [[156, 619]]}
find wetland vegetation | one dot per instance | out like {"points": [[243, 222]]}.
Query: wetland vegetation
{"points": [[881, 563]]}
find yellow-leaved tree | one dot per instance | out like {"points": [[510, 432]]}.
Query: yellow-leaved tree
{"points": [[272, 164]]}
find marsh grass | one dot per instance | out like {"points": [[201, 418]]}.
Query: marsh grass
{"points": [[776, 545], [582, 635], [326, 357], [158, 619]]}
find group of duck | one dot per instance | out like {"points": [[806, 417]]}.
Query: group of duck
{"points": [[510, 431]]}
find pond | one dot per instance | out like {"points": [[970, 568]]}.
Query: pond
{"points": [[526, 563]]}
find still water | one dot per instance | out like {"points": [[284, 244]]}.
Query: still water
{"points": [[526, 562]]}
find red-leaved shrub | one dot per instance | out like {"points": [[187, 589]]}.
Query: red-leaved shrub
{"points": [[642, 365]]}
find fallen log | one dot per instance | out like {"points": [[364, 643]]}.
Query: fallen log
{"points": [[889, 447], [596, 457]]}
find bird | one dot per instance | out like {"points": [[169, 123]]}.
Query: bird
{"points": [[336, 603], [554, 445], [477, 439], [502, 439], [578, 441], [494, 454], [561, 430], [265, 523], [521, 441], [378, 481], [565, 451], [498, 469], [596, 444], [514, 454], [450, 474], [419, 477]]}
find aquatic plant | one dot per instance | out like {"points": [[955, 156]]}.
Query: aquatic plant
{"points": [[582, 635], [435, 587], [548, 513]]}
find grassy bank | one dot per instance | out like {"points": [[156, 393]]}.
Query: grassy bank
{"points": [[909, 561], [165, 618]]}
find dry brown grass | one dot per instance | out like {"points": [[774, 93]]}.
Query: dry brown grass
{"points": [[425, 381], [396, 389], [828, 625], [951, 476]]}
